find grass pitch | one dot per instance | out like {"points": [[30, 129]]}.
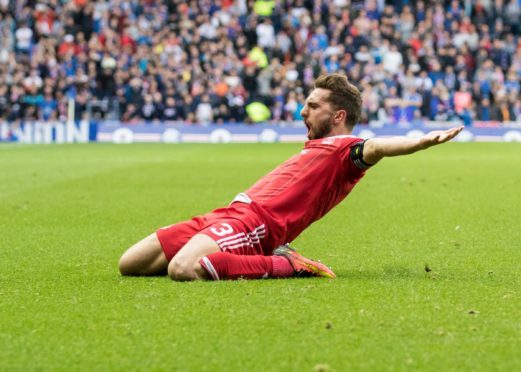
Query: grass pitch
{"points": [[426, 248]]}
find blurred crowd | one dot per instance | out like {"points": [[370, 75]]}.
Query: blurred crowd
{"points": [[203, 61]]}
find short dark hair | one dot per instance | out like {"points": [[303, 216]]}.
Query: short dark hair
{"points": [[343, 96]]}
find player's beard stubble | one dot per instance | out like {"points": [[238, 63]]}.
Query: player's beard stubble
{"points": [[321, 129]]}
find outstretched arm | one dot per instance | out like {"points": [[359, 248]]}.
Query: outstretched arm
{"points": [[377, 148]]}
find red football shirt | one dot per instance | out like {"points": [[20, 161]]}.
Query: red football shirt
{"points": [[305, 187]]}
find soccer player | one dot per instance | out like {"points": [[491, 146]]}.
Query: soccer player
{"points": [[248, 238]]}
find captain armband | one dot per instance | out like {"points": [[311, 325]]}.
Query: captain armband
{"points": [[357, 156]]}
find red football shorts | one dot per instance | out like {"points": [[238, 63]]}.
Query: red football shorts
{"points": [[236, 229]]}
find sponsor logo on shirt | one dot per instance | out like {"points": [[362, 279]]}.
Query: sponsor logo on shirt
{"points": [[328, 141]]}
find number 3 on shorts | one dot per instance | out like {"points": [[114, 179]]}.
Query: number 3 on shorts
{"points": [[224, 230]]}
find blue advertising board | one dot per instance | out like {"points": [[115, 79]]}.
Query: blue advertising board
{"points": [[115, 132]]}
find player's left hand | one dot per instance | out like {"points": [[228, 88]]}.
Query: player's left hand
{"points": [[437, 137]]}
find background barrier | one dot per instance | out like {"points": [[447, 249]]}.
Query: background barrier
{"points": [[82, 132]]}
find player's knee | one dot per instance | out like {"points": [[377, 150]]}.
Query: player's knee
{"points": [[127, 266], [131, 265], [181, 269]]}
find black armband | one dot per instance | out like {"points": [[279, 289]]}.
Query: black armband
{"points": [[357, 156]]}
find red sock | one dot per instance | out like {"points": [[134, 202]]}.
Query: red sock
{"points": [[224, 265]]}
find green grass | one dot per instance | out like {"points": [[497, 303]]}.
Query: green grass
{"points": [[68, 212]]}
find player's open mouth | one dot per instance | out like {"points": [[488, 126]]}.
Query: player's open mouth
{"points": [[308, 127]]}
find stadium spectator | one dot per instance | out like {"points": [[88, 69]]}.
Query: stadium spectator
{"points": [[204, 111], [24, 38], [237, 51]]}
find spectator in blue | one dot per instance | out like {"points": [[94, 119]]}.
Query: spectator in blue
{"points": [[300, 105], [48, 105], [412, 102], [484, 111], [332, 64]]}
